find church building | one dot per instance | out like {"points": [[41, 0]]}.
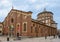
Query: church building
{"points": [[20, 23]]}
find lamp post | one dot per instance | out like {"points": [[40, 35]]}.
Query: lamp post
{"points": [[11, 29]]}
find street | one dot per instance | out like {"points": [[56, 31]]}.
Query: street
{"points": [[37, 39]]}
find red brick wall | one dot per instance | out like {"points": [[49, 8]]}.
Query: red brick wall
{"points": [[41, 29]]}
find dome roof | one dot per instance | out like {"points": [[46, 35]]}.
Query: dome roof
{"points": [[45, 12]]}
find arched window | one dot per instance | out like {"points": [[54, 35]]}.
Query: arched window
{"points": [[25, 26], [12, 20]]}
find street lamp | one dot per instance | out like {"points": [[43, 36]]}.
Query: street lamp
{"points": [[11, 29]]}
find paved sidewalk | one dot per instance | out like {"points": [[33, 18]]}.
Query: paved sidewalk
{"points": [[39, 39]]}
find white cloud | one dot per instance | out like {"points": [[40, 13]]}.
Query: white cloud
{"points": [[5, 6], [5, 3], [39, 6], [22, 7], [3, 14], [32, 1]]}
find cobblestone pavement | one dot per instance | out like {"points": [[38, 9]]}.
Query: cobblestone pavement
{"points": [[39, 39]]}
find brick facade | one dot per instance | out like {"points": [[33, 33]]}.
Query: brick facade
{"points": [[1, 28], [21, 23]]}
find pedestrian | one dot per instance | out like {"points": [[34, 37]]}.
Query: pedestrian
{"points": [[7, 38]]}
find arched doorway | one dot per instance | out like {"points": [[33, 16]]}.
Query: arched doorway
{"points": [[17, 34], [18, 30]]}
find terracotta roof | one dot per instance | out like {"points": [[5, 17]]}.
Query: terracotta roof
{"points": [[21, 11], [45, 12], [37, 21]]}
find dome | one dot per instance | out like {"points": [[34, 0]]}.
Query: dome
{"points": [[45, 11]]}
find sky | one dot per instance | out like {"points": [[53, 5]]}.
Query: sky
{"points": [[36, 6]]}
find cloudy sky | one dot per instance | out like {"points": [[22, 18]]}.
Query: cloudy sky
{"points": [[35, 6]]}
